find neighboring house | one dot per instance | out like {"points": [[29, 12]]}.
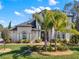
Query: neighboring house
{"points": [[32, 30]]}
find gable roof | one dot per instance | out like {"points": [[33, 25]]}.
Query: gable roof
{"points": [[30, 23]]}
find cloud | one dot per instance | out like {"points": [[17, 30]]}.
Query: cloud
{"points": [[17, 13], [53, 2], [1, 6], [42, 8], [48, 8], [34, 10], [57, 8], [29, 11], [3, 22]]}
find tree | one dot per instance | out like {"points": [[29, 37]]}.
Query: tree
{"points": [[1, 27], [73, 7], [49, 19], [44, 18], [5, 36], [59, 21], [9, 26], [75, 11], [67, 6]]}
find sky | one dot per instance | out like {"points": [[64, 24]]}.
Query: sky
{"points": [[18, 11]]}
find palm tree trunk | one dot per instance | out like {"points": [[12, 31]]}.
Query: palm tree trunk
{"points": [[55, 45], [51, 37], [46, 40], [55, 40]]}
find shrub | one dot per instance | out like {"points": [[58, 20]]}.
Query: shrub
{"points": [[8, 41], [74, 39], [50, 48], [62, 47], [44, 48], [27, 41], [36, 48], [22, 41], [38, 40], [64, 41], [53, 40], [17, 41], [58, 40]]}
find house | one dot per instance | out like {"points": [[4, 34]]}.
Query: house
{"points": [[27, 30], [32, 30]]}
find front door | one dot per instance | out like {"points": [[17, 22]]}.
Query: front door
{"points": [[43, 36]]}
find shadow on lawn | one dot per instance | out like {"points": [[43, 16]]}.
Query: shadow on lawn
{"points": [[24, 51]]}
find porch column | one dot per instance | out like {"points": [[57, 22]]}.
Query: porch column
{"points": [[53, 33], [67, 36]]}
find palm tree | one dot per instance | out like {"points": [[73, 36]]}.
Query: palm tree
{"points": [[59, 21], [49, 19], [44, 18]]}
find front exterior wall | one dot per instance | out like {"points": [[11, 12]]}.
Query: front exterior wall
{"points": [[18, 35], [27, 30]]}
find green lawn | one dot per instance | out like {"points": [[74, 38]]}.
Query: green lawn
{"points": [[19, 48]]}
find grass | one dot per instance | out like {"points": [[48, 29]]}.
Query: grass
{"points": [[20, 48]]}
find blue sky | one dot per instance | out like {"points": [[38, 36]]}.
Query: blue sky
{"points": [[19, 11]]}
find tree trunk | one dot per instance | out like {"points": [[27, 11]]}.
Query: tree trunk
{"points": [[4, 46], [55, 40], [55, 45], [51, 37], [46, 40]]}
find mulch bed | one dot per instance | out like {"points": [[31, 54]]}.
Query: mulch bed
{"points": [[5, 50], [57, 53]]}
